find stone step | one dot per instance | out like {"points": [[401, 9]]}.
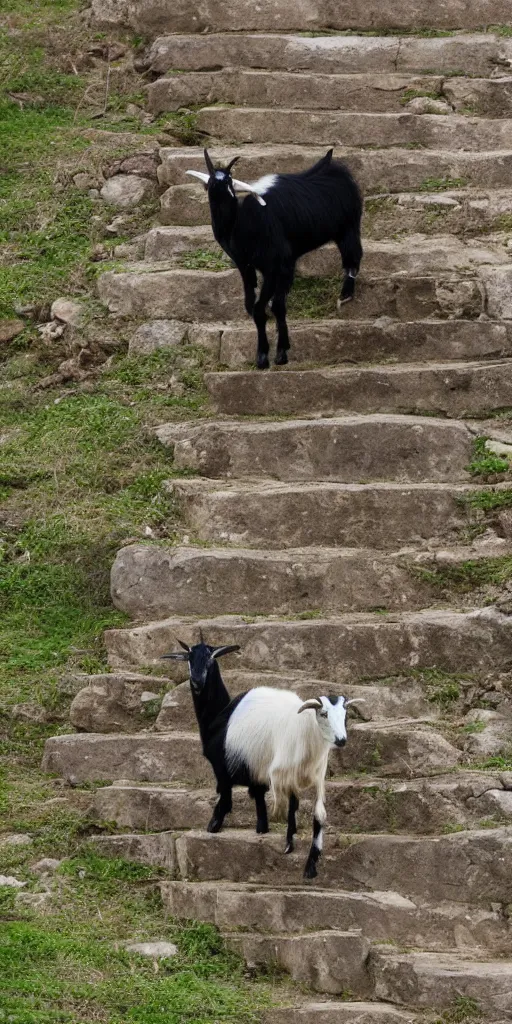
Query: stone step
{"points": [[351, 449], [423, 805], [342, 649], [365, 93], [105, 702], [273, 515], [437, 211], [469, 389], [470, 54], [305, 91], [430, 980], [466, 867], [150, 19], [338, 341], [376, 170], [414, 255], [154, 581], [236, 125], [160, 291], [346, 1012], [326, 961], [386, 747], [381, 916]]}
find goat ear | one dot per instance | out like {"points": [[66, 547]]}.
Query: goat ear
{"points": [[208, 162], [314, 704], [202, 177], [232, 164], [242, 186], [227, 649]]}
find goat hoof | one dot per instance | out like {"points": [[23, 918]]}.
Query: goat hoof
{"points": [[281, 357], [289, 847], [214, 825], [310, 870], [262, 362], [261, 830]]}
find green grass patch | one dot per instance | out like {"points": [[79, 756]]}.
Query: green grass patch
{"points": [[501, 762], [464, 1008], [313, 297], [73, 965], [484, 462], [467, 576], [412, 94], [204, 259], [500, 30], [488, 501], [442, 184]]}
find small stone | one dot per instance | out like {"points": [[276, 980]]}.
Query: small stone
{"points": [[119, 225], [68, 310], [499, 448], [9, 329], [157, 334], [46, 866], [126, 190], [11, 882], [157, 950], [427, 105], [51, 331], [143, 164], [16, 839], [147, 697], [84, 181], [94, 193], [29, 712]]}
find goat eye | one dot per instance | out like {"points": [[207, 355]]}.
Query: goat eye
{"points": [[323, 714]]}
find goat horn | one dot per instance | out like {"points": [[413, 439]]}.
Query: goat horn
{"points": [[232, 163], [244, 187], [355, 700], [208, 161], [227, 649], [314, 704], [199, 174]]}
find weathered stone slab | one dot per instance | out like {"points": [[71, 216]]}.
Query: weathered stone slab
{"points": [[330, 962], [472, 54], [470, 389], [272, 515], [176, 294], [110, 703], [260, 125], [143, 757], [348, 450], [372, 645], [156, 16], [426, 979]]}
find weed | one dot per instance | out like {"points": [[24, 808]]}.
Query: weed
{"points": [[452, 827], [473, 727], [313, 297], [485, 462], [488, 500], [467, 576], [464, 1008], [500, 30], [445, 695], [442, 184], [411, 94], [501, 762], [183, 125], [204, 259]]}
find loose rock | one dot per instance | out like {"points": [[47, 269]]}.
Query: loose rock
{"points": [[9, 329], [157, 334], [68, 310], [126, 190], [158, 950]]}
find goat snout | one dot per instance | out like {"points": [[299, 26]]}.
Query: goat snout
{"points": [[340, 742]]}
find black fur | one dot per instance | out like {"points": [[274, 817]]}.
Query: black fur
{"points": [[213, 707], [302, 212]]}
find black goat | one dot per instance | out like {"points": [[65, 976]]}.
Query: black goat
{"points": [[284, 217]]}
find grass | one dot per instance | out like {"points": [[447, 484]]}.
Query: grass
{"points": [[485, 463], [488, 501], [467, 576], [204, 259], [464, 1008], [313, 297], [442, 184], [412, 94], [72, 965]]}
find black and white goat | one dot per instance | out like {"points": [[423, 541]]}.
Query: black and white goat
{"points": [[284, 217], [258, 740]]}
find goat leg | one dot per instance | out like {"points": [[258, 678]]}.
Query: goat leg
{"points": [[222, 807], [293, 806], [258, 795]]}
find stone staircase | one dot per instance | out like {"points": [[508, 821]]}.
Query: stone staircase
{"points": [[331, 524]]}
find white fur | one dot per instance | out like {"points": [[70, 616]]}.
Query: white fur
{"points": [[263, 185], [284, 749]]}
